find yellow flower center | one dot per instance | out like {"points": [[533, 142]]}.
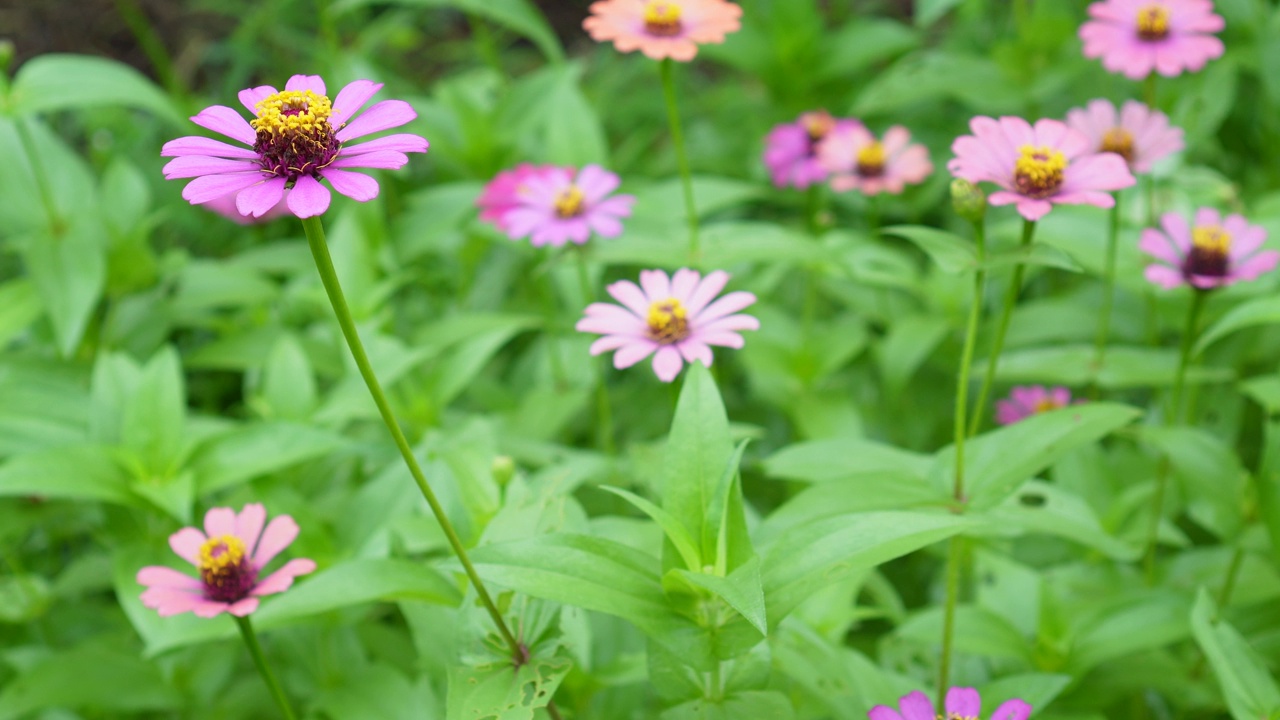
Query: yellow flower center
{"points": [[668, 321], [817, 124], [1119, 141], [219, 554], [293, 112], [1046, 405], [569, 203], [1211, 239], [1038, 172], [1153, 22], [662, 18], [871, 160], [294, 134], [1210, 252]]}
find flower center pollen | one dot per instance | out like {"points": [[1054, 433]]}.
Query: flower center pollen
{"points": [[662, 18], [817, 124], [1153, 22], [668, 322], [1119, 141], [294, 134], [1046, 405], [1038, 173], [227, 574], [569, 204], [1210, 254], [871, 160]]}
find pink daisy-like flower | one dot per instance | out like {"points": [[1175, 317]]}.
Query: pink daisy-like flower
{"points": [[791, 149], [962, 704], [1137, 133], [555, 205], [502, 194], [662, 28], [1134, 37], [1037, 167], [1030, 400], [672, 318], [229, 554], [1212, 253], [857, 160], [296, 139]]}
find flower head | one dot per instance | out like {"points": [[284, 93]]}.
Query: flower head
{"points": [[229, 555], [1135, 37], [791, 149], [1137, 133], [1037, 166], [503, 192], [1212, 253], [672, 318], [859, 161], [554, 205], [662, 28], [1030, 400], [297, 138], [962, 704]]}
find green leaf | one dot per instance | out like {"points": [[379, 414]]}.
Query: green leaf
{"points": [[741, 590], [74, 472], [574, 133], [839, 459], [737, 706], [288, 382], [1265, 390], [1036, 253], [96, 677], [54, 82], [1130, 624], [978, 631], [1125, 367], [952, 253], [928, 12], [675, 532], [70, 273], [19, 307], [1212, 477], [886, 490], [860, 44], [1242, 674], [1262, 311], [259, 449], [1043, 508], [520, 16], [154, 418], [934, 75], [1269, 487], [495, 692], [23, 598], [698, 452]]}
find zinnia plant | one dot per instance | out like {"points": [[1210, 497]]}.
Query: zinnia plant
{"points": [[1213, 252], [1137, 133], [1025, 401], [858, 160], [554, 205], [662, 28], [961, 704], [1136, 37], [791, 149]]}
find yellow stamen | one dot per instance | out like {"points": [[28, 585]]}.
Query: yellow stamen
{"points": [[217, 554], [1046, 405], [1119, 141], [1039, 171], [668, 321], [662, 17], [871, 159], [1153, 22], [817, 124], [569, 203], [292, 111], [1211, 239]]}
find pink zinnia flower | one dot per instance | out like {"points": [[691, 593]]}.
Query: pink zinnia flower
{"points": [[1137, 133], [296, 139], [961, 703], [1212, 253], [662, 28], [1135, 37], [673, 319], [857, 160], [502, 194], [229, 554], [1037, 167], [555, 205], [1030, 400], [791, 149]]}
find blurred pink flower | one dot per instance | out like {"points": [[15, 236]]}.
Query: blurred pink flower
{"points": [[1037, 167], [554, 205], [296, 139], [1029, 400], [1135, 37], [1212, 253], [673, 319], [962, 703], [791, 149], [1137, 133], [226, 207], [662, 28], [859, 161], [502, 194], [229, 554]]}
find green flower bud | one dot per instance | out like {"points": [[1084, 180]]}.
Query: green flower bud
{"points": [[968, 200]]}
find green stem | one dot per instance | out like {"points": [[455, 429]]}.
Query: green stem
{"points": [[966, 357], [949, 617], [604, 409], [329, 276], [553, 342], [873, 217], [1002, 329], [1229, 584], [682, 156], [1108, 294], [255, 649], [1149, 91]]}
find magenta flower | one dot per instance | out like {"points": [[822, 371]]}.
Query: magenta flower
{"points": [[553, 206], [1137, 133], [1037, 167], [962, 704], [1030, 400], [296, 139], [857, 160], [673, 319], [1135, 37], [1212, 253], [791, 149], [503, 192], [226, 207], [229, 554]]}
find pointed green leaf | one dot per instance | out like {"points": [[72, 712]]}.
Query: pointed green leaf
{"points": [[1242, 674], [952, 253], [671, 527], [697, 453]]}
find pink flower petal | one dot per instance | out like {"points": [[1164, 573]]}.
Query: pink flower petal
{"points": [[243, 607], [727, 305], [384, 159], [224, 120], [627, 293], [356, 186], [667, 363], [350, 99], [251, 97], [401, 142], [710, 286], [279, 534], [258, 200], [916, 706], [1014, 709], [249, 524], [211, 187], [167, 601], [219, 522], [189, 166], [1164, 276], [209, 608], [308, 198], [1157, 245], [693, 350], [306, 82], [633, 353], [166, 577], [656, 285], [883, 712], [186, 543], [381, 116], [596, 182], [964, 702], [195, 145], [282, 579]]}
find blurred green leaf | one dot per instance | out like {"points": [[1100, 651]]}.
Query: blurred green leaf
{"points": [[98, 676], [952, 253], [520, 16], [73, 82], [1242, 673], [501, 692], [1262, 311]]}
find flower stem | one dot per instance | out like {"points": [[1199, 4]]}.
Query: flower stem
{"points": [[329, 276], [966, 357], [1108, 294], [682, 157], [604, 409], [260, 660], [949, 617], [1002, 329]]}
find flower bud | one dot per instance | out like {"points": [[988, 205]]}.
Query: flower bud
{"points": [[968, 200], [503, 469]]}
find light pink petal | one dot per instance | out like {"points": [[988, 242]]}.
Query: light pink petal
{"points": [[243, 607], [727, 305], [706, 291], [725, 338], [195, 145], [596, 182], [627, 293], [209, 608], [211, 187], [1164, 276], [694, 350], [683, 284], [619, 205], [219, 522], [249, 525], [883, 712], [350, 99], [1244, 242], [356, 186], [260, 199], [1157, 245], [1102, 171], [733, 323], [609, 343], [186, 543], [166, 577], [629, 355], [1263, 262], [224, 120], [1014, 709], [400, 142], [308, 198], [280, 580], [606, 226], [383, 159], [189, 166], [916, 706], [251, 97], [279, 533], [1175, 225], [656, 284], [667, 363], [381, 116], [1097, 198], [964, 702], [168, 602], [302, 83]]}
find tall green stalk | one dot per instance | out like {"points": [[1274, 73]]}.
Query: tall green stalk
{"points": [[1002, 329], [260, 660], [1108, 294], [682, 156], [954, 559], [604, 409]]}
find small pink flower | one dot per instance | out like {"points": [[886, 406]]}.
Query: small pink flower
{"points": [[296, 139], [662, 28], [1135, 37], [1030, 400], [1137, 133], [962, 703], [859, 161], [791, 149], [673, 319], [1039, 166], [1212, 253], [229, 554], [502, 194], [553, 206]]}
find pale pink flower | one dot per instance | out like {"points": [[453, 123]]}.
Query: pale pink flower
{"points": [[857, 160], [1212, 253], [662, 28], [791, 149], [296, 139], [229, 555], [1025, 401], [1137, 133], [502, 193], [962, 703], [671, 318], [556, 205], [1037, 167], [1135, 37]]}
